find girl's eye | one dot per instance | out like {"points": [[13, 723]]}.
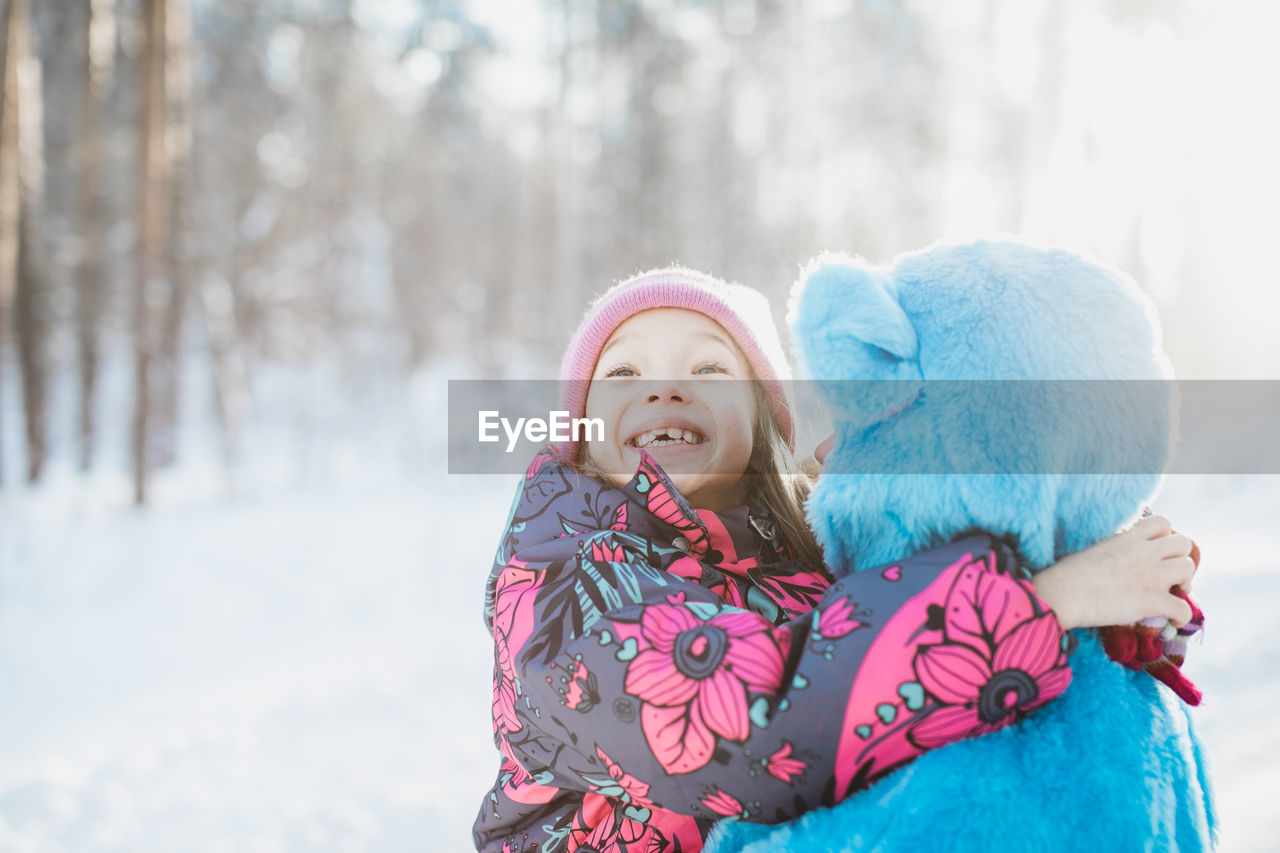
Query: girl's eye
{"points": [[625, 371]]}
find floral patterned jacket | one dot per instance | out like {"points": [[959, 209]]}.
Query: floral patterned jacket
{"points": [[659, 668]]}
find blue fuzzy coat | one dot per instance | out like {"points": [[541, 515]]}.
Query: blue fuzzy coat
{"points": [[1115, 763]]}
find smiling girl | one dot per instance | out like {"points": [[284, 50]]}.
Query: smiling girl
{"points": [[669, 649]]}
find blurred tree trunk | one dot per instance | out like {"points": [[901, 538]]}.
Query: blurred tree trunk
{"points": [[216, 304], [31, 311], [10, 195], [558, 194], [22, 290], [166, 370], [99, 37], [151, 246]]}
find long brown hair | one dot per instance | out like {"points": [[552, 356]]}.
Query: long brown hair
{"points": [[778, 481], [775, 478]]}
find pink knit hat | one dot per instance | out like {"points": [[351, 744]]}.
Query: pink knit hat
{"points": [[742, 312]]}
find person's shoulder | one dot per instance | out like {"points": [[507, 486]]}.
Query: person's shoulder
{"points": [[547, 481], [1004, 546]]}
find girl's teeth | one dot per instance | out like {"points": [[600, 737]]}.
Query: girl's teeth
{"points": [[677, 436]]}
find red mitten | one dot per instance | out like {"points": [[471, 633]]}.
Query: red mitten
{"points": [[1179, 683]]}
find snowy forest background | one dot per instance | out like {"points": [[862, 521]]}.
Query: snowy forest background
{"points": [[245, 244]]}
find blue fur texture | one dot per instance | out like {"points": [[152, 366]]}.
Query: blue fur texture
{"points": [[1115, 762]]}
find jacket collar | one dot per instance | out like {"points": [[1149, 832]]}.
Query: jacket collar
{"points": [[723, 537]]}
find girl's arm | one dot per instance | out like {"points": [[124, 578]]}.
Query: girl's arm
{"points": [[619, 678], [1135, 587], [1122, 579]]}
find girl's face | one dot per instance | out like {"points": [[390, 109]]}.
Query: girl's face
{"points": [[674, 382]]}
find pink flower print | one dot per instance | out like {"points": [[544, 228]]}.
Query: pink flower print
{"points": [[666, 505], [981, 692], [513, 773], [622, 836], [619, 517], [581, 694], [596, 810], [505, 721], [783, 766], [537, 463], [694, 677], [837, 620], [796, 593], [723, 804], [623, 786], [608, 549], [687, 568], [514, 594], [982, 607], [599, 826], [717, 582]]}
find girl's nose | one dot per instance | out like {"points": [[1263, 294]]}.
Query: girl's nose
{"points": [[668, 390]]}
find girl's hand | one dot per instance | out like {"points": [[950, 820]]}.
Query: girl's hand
{"points": [[1122, 579]]}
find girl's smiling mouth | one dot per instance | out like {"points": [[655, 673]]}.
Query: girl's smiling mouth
{"points": [[666, 436], [666, 430]]}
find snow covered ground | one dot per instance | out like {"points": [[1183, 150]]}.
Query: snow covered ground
{"points": [[303, 666], [300, 672]]}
